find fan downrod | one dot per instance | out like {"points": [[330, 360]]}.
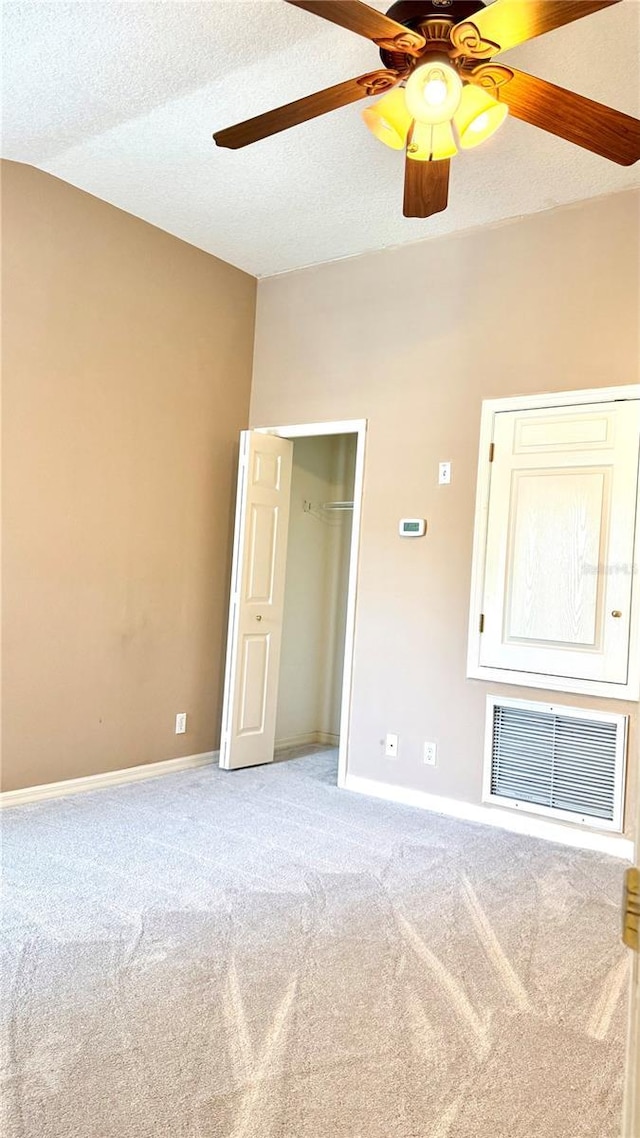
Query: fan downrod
{"points": [[413, 13]]}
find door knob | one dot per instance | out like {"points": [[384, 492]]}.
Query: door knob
{"points": [[616, 613], [258, 617]]}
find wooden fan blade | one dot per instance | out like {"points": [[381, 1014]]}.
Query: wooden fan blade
{"points": [[426, 187], [365, 21], [601, 129], [505, 23], [304, 109]]}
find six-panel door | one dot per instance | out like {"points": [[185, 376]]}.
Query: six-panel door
{"points": [[257, 600]]}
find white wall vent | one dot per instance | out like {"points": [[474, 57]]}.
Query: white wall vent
{"points": [[564, 762]]}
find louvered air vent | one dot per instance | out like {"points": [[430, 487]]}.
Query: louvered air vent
{"points": [[567, 762]]}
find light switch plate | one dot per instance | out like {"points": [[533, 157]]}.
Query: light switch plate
{"points": [[444, 473]]}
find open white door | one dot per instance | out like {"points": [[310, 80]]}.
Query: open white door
{"points": [[257, 600]]}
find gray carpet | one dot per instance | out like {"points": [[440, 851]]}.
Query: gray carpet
{"points": [[259, 955]]}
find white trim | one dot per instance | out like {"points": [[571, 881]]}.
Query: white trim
{"points": [[341, 427], [477, 671], [310, 430], [631, 1102], [352, 596], [236, 562], [628, 692], [328, 739], [622, 724], [610, 844], [563, 398], [108, 778], [310, 739]]}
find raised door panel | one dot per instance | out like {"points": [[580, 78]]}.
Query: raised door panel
{"points": [[254, 683], [557, 528], [261, 554]]}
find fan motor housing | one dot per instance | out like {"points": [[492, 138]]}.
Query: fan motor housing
{"points": [[413, 13]]}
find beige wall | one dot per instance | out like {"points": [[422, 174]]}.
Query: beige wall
{"points": [[413, 339], [316, 590], [126, 364]]}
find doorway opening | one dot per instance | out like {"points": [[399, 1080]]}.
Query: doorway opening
{"points": [[316, 587], [293, 594]]}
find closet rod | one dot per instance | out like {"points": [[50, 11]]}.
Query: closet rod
{"points": [[337, 505]]}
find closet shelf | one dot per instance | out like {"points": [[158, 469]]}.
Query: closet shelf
{"points": [[337, 505]]}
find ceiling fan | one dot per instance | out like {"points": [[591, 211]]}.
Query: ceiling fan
{"points": [[441, 89]]}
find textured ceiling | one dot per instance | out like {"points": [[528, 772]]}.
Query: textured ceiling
{"points": [[121, 99]]}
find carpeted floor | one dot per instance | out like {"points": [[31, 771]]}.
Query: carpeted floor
{"points": [[259, 955]]}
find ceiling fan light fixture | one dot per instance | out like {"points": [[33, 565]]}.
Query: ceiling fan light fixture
{"points": [[431, 142], [433, 92], [389, 119], [439, 109], [478, 116]]}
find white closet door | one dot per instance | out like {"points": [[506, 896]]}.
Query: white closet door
{"points": [[257, 600], [559, 554]]}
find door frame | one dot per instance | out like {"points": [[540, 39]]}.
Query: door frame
{"points": [[631, 1102], [477, 671], [357, 427]]}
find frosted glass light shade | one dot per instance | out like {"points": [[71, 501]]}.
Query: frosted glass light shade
{"points": [[389, 119], [430, 143], [433, 92], [478, 116]]}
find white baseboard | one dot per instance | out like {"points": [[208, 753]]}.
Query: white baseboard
{"points": [[306, 740], [612, 844], [108, 778], [312, 738]]}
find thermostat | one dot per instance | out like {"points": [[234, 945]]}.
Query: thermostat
{"points": [[412, 527]]}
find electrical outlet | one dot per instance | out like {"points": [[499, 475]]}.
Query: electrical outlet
{"points": [[181, 722], [430, 754], [391, 746]]}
